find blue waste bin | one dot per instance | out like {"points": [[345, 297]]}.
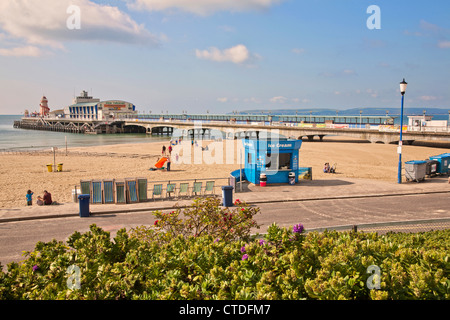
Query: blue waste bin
{"points": [[444, 163], [227, 196], [83, 200]]}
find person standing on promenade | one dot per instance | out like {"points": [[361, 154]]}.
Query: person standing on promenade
{"points": [[29, 198]]}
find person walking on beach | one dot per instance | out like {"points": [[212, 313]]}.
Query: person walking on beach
{"points": [[163, 150], [29, 198]]}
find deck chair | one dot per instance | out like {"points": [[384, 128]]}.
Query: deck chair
{"points": [[96, 194], [120, 191], [85, 187], [108, 191], [132, 191], [184, 189], [197, 188], [170, 189], [209, 187], [142, 188], [157, 191]]}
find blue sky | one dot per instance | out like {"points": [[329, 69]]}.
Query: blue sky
{"points": [[224, 55]]}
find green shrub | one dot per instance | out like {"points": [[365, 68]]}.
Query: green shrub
{"points": [[204, 261]]}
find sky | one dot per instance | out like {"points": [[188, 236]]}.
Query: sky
{"points": [[220, 56]]}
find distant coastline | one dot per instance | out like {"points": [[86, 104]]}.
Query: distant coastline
{"points": [[351, 112]]}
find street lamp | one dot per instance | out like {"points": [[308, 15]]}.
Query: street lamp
{"points": [[360, 119], [403, 85]]}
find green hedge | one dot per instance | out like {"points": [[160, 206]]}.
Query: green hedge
{"points": [[152, 263]]}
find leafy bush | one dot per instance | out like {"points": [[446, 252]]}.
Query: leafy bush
{"points": [[178, 261], [204, 216]]}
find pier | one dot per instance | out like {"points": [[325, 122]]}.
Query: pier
{"points": [[376, 129]]}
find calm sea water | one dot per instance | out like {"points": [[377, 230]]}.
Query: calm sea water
{"points": [[12, 139]]}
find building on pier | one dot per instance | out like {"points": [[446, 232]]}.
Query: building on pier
{"points": [[89, 108]]}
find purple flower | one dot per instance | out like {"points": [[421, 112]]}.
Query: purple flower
{"points": [[217, 240], [262, 242], [298, 228], [35, 268], [245, 257], [243, 249]]}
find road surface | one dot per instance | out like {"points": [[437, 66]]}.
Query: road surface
{"points": [[16, 237]]}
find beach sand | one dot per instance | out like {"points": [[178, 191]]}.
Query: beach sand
{"points": [[23, 171]]}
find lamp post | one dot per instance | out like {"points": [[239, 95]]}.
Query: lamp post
{"points": [[360, 119], [403, 85]]}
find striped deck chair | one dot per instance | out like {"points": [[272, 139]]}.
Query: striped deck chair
{"points": [[142, 189], [210, 187], [85, 187], [157, 191], [197, 188], [96, 194], [184, 189], [120, 191], [132, 191], [170, 189], [108, 191]]}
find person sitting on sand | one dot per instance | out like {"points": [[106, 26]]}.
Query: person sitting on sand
{"points": [[326, 168], [46, 200], [333, 168]]}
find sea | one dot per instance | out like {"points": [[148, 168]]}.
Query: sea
{"points": [[12, 139]]}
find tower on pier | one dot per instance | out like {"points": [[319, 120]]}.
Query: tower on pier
{"points": [[44, 107]]}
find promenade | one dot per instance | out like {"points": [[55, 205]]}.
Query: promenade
{"points": [[334, 188]]}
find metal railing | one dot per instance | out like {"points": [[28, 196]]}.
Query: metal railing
{"points": [[408, 226]]}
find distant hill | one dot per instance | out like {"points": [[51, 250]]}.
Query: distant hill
{"points": [[352, 112]]}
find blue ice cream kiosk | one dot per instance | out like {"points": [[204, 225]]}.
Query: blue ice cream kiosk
{"points": [[276, 159]]}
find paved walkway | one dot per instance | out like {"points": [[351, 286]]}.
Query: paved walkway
{"points": [[332, 188]]}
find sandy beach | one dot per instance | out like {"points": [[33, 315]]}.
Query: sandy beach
{"points": [[23, 171]]}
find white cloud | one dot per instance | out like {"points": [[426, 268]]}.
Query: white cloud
{"points": [[252, 99], [349, 72], [26, 51], [428, 98], [372, 93], [237, 54], [44, 23], [298, 50], [202, 7], [345, 72], [444, 44], [223, 99], [278, 99]]}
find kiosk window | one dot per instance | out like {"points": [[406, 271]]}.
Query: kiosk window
{"points": [[271, 161], [284, 161]]}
